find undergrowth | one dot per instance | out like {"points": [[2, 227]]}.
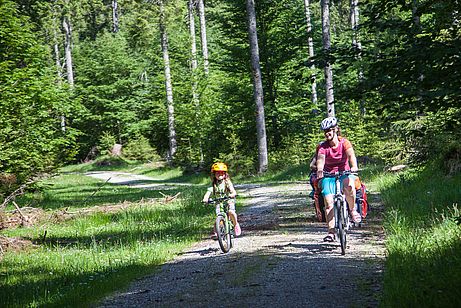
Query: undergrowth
{"points": [[78, 261], [423, 267]]}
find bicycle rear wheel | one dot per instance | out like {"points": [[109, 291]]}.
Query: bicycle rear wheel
{"points": [[341, 226], [224, 236]]}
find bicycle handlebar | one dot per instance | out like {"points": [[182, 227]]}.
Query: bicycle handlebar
{"points": [[213, 201], [339, 173]]}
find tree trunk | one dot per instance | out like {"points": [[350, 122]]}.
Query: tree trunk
{"points": [[193, 51], [201, 10], [195, 96], [115, 16], [327, 48], [68, 51], [68, 54], [168, 84], [258, 89], [354, 24], [310, 43], [57, 56], [356, 43]]}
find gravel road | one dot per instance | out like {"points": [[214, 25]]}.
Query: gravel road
{"points": [[280, 260]]}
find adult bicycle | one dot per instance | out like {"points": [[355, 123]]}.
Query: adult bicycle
{"points": [[223, 224], [341, 210]]}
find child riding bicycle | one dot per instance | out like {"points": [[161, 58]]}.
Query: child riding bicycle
{"points": [[335, 154], [222, 186]]}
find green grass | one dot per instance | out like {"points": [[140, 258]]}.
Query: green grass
{"points": [[423, 267], [82, 259], [77, 191], [74, 262]]}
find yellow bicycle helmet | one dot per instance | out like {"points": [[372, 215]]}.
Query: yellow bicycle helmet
{"points": [[219, 167]]}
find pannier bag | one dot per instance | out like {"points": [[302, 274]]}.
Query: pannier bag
{"points": [[361, 200]]}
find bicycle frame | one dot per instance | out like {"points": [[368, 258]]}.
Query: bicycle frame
{"points": [[223, 224], [341, 210], [340, 203]]}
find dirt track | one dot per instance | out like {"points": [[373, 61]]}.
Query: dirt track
{"points": [[280, 260]]}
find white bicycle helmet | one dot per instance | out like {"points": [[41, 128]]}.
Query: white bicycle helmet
{"points": [[328, 123]]}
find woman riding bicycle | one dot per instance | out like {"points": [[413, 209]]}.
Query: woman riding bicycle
{"points": [[336, 154], [222, 186]]}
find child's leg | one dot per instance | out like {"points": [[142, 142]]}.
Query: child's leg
{"points": [[233, 217], [232, 213]]}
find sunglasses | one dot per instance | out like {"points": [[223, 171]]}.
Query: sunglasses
{"points": [[328, 130]]}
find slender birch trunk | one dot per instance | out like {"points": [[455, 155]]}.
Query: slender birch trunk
{"points": [[327, 48], [354, 24], [68, 55], [354, 14], [201, 10], [310, 44], [168, 84], [115, 26], [57, 56], [258, 89], [195, 96], [59, 75], [68, 51], [193, 51]]}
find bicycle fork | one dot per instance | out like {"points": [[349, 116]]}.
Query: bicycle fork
{"points": [[340, 204], [338, 201]]}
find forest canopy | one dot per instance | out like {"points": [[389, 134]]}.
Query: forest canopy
{"points": [[79, 75]]}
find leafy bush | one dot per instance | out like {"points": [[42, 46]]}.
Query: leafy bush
{"points": [[429, 136], [294, 152], [140, 149], [238, 162], [31, 139], [106, 142]]}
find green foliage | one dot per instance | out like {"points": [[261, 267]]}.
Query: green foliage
{"points": [[405, 77], [31, 140], [141, 150], [411, 76], [295, 152], [106, 86], [237, 162], [429, 136], [106, 142]]}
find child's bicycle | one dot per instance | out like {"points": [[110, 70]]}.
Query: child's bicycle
{"points": [[342, 222], [223, 224]]}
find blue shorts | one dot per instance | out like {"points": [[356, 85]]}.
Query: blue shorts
{"points": [[328, 186]]}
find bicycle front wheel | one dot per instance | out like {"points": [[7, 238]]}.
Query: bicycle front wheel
{"points": [[224, 236], [341, 226]]}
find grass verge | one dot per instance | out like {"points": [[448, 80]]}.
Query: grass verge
{"points": [[80, 260], [423, 268]]}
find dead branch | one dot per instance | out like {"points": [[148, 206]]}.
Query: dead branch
{"points": [[21, 189], [169, 198], [24, 218], [13, 195]]}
